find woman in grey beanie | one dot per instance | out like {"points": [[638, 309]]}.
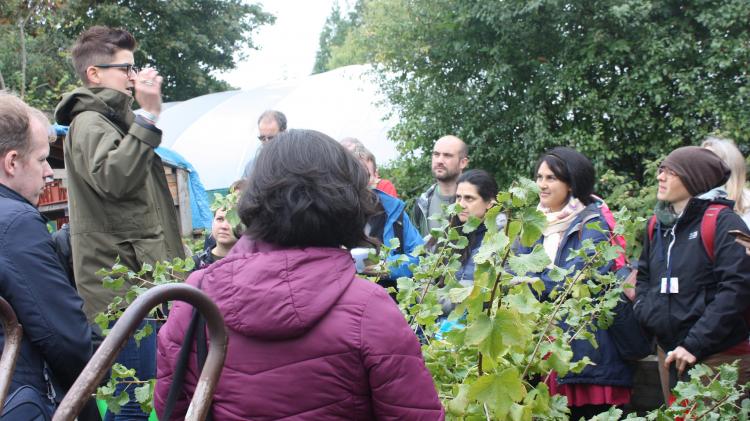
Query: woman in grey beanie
{"points": [[694, 303]]}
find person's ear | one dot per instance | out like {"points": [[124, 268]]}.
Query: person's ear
{"points": [[92, 75], [464, 162], [10, 163]]}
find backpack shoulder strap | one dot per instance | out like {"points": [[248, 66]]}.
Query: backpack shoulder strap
{"points": [[708, 228], [651, 227]]}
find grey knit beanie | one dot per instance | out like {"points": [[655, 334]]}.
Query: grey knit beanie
{"points": [[699, 168]]}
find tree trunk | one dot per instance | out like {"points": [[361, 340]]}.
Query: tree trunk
{"points": [[2, 82], [22, 39]]}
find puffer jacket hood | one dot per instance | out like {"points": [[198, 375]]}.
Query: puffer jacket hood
{"points": [[289, 295], [112, 104]]}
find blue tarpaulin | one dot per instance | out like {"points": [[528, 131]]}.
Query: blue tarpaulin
{"points": [[199, 206]]}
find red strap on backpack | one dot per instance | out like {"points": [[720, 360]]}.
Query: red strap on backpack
{"points": [[651, 227], [708, 228]]}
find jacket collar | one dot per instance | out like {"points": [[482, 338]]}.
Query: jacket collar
{"points": [[112, 104], [424, 198], [697, 205], [9, 193]]}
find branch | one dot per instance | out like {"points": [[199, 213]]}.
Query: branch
{"points": [[716, 405], [554, 313]]}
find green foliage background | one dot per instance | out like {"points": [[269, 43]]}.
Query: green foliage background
{"points": [[623, 82], [188, 41]]}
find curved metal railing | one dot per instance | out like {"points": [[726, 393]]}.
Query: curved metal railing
{"points": [[11, 348], [105, 356]]}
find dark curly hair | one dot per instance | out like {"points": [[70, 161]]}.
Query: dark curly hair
{"points": [[307, 190]]}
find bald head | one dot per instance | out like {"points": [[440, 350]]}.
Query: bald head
{"points": [[449, 158]]}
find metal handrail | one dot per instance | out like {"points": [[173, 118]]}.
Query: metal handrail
{"points": [[94, 372], [11, 348]]}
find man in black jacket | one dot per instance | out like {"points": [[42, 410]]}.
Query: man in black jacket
{"points": [[56, 336], [693, 303]]}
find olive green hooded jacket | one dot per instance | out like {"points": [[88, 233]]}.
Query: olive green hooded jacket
{"points": [[119, 199]]}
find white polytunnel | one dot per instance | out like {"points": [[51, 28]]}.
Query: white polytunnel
{"points": [[217, 133]]}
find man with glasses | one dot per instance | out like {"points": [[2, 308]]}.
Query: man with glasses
{"points": [[270, 124], [120, 204]]}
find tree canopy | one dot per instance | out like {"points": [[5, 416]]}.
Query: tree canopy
{"points": [[187, 41], [621, 81]]}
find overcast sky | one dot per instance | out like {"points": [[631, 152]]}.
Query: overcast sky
{"points": [[288, 47]]}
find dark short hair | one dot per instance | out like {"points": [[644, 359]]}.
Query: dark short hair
{"points": [[276, 116], [483, 181], [572, 168], [307, 190], [97, 45]]}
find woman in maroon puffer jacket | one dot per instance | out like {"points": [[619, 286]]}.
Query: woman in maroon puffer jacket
{"points": [[307, 339]]}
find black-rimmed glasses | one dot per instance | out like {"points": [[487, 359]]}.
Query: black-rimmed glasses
{"points": [[127, 66]]}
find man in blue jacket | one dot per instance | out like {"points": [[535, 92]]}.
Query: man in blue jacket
{"points": [[56, 337]]}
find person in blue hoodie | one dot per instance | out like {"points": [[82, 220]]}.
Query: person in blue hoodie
{"points": [[392, 221]]}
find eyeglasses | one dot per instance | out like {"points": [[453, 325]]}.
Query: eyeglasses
{"points": [[667, 171], [126, 66], [265, 138]]}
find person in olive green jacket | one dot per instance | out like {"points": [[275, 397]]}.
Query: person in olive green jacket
{"points": [[119, 199]]}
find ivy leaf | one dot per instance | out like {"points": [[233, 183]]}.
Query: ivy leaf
{"points": [[523, 301], [499, 391], [494, 344], [142, 333], [610, 252], [523, 191], [490, 219], [520, 412], [147, 268], [113, 283], [534, 262], [119, 370], [460, 244], [457, 295], [478, 330], [122, 399], [533, 223], [143, 392], [557, 273], [102, 321], [144, 395], [559, 359], [510, 380], [538, 398], [493, 244], [471, 225], [512, 330], [514, 228], [457, 406]]}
